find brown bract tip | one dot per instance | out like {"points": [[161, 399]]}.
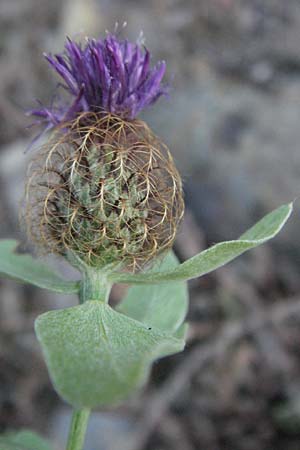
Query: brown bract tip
{"points": [[105, 189]]}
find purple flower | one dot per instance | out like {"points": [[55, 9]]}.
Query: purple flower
{"points": [[109, 75]]}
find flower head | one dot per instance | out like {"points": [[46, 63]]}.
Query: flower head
{"points": [[109, 75], [104, 188]]}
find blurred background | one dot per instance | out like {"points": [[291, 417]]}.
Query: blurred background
{"points": [[232, 124]]}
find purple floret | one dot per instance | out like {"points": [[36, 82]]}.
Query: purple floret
{"points": [[109, 75]]}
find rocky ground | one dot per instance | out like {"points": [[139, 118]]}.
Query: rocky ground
{"points": [[232, 124]]}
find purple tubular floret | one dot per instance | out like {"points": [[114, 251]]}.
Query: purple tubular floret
{"points": [[105, 75]]}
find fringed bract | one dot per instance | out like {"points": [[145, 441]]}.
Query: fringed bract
{"points": [[105, 189]]}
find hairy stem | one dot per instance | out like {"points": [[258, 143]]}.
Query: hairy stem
{"points": [[78, 428], [94, 286]]}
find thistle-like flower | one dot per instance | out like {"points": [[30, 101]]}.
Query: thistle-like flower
{"points": [[104, 187], [107, 75]]}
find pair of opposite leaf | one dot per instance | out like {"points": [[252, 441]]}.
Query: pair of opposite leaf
{"points": [[97, 355]]}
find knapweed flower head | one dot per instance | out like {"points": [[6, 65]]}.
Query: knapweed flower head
{"points": [[104, 187], [109, 75]]}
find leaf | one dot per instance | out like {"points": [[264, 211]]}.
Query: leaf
{"points": [[23, 440], [216, 256], [162, 306], [26, 269], [97, 356], [7, 445]]}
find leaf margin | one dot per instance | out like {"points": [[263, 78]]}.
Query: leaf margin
{"points": [[185, 271], [42, 276]]}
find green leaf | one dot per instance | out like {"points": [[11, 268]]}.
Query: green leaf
{"points": [[7, 445], [216, 256], [23, 440], [26, 269], [97, 356], [163, 306]]}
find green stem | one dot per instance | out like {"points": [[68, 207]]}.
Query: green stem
{"points": [[94, 285], [78, 428]]}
